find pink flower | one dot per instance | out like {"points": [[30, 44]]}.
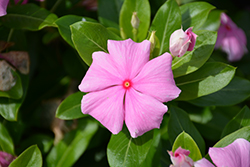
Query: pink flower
{"points": [[3, 7], [180, 158], [124, 85], [5, 159], [181, 41], [23, 2], [231, 39], [235, 154]]}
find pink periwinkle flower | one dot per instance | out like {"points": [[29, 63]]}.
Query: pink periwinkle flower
{"points": [[124, 85], [180, 158], [5, 159], [3, 7], [181, 41], [231, 39], [236, 154]]}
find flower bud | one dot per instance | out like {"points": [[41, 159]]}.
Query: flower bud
{"points": [[180, 158], [153, 41], [5, 159], [181, 41], [135, 21]]}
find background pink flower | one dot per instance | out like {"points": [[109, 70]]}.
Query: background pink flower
{"points": [[5, 159], [180, 158], [124, 85], [235, 154], [181, 41], [3, 7], [231, 39]]}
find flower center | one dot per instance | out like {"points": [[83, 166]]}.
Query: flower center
{"points": [[228, 27], [127, 84]]}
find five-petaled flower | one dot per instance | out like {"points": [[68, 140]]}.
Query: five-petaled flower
{"points": [[124, 85], [181, 41], [231, 39]]}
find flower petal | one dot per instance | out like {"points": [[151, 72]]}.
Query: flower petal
{"points": [[106, 106], [192, 38], [235, 154], [129, 56], [3, 7], [101, 74], [142, 112], [156, 79], [203, 163]]}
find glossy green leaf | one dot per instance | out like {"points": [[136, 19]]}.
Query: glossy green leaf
{"points": [[16, 92], [195, 14], [90, 37], [123, 150], [242, 119], [213, 21], [211, 77], [31, 157], [241, 133], [70, 108], [142, 8], [110, 10], [6, 142], [193, 60], [165, 22], [185, 141], [178, 122], [235, 92], [63, 24], [29, 16], [68, 151], [9, 107]]}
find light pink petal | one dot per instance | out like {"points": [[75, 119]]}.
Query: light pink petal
{"points": [[225, 20], [156, 79], [142, 112], [236, 154], [234, 48], [192, 37], [203, 163], [181, 151], [184, 48], [177, 39], [3, 7], [101, 74], [241, 36], [180, 158], [106, 106], [129, 56]]}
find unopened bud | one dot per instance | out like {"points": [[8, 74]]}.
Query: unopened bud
{"points": [[135, 21], [152, 40]]}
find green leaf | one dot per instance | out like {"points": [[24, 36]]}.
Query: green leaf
{"points": [[185, 141], [211, 77], [192, 61], [70, 108], [242, 119], [165, 22], [235, 92], [241, 133], [195, 14], [90, 37], [68, 151], [29, 16], [31, 157], [142, 8], [9, 107], [178, 122], [6, 142], [123, 150], [109, 10], [213, 21], [16, 92], [63, 24]]}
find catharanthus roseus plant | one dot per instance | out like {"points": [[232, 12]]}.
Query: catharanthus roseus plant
{"points": [[117, 83], [124, 85]]}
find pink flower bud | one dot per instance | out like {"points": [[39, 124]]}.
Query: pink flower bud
{"points": [[231, 39], [5, 159], [181, 41], [180, 158]]}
